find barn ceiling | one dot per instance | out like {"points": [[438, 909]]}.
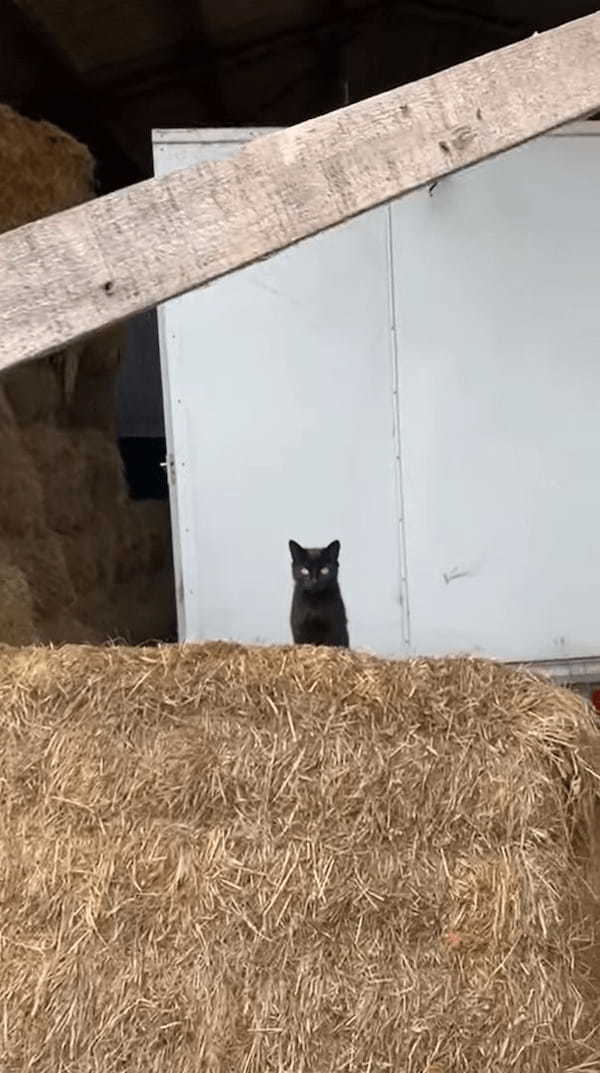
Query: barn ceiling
{"points": [[110, 70]]}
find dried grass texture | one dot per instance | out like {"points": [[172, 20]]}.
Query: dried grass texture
{"points": [[222, 859], [61, 466], [33, 390], [21, 492], [42, 170], [67, 626], [92, 560], [149, 595], [63, 496], [16, 610], [144, 532], [94, 399], [41, 557], [95, 565]]}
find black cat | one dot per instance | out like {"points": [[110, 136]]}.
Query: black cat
{"points": [[318, 614]]}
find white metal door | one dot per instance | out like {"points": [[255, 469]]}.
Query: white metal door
{"points": [[280, 383], [497, 278], [479, 304]]}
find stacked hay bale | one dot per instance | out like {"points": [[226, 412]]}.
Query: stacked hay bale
{"points": [[78, 561], [221, 859]]}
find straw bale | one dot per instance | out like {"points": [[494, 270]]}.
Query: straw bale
{"points": [[22, 508], [144, 538], [63, 493], [132, 543], [152, 519], [66, 364], [41, 558], [33, 390], [81, 560], [68, 629], [136, 611], [223, 859], [157, 517], [94, 399], [94, 403], [42, 170], [102, 352], [16, 607], [91, 555], [103, 536], [7, 414], [143, 609], [105, 470], [66, 483]]}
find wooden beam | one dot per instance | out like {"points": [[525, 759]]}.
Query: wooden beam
{"points": [[80, 270]]}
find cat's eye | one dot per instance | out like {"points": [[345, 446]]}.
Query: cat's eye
{"points": [[304, 570], [324, 570]]}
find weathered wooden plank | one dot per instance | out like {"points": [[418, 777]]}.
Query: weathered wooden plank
{"points": [[73, 273]]}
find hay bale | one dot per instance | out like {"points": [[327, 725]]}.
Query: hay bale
{"points": [[94, 400], [42, 170], [40, 556], [33, 390], [102, 352], [221, 859], [143, 610], [103, 535], [69, 630], [144, 538], [106, 473], [21, 496], [16, 606], [154, 516], [63, 494], [90, 556], [81, 562], [64, 476]]}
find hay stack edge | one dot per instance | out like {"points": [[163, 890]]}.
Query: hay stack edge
{"points": [[223, 859], [79, 561]]}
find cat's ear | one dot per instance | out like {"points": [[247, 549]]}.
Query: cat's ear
{"points": [[296, 551], [333, 550]]}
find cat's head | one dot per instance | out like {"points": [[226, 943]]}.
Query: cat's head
{"points": [[313, 569]]}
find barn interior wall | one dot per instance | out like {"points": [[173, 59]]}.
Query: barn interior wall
{"points": [[79, 560]]}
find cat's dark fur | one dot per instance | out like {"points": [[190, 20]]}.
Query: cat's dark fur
{"points": [[318, 615]]}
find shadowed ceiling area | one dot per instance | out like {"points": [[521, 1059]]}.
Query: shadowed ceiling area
{"points": [[108, 71]]}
